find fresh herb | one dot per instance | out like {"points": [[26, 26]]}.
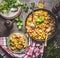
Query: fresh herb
{"points": [[25, 7], [35, 6], [6, 5], [51, 51], [18, 22], [39, 20], [18, 4]]}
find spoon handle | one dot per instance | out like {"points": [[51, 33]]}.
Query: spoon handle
{"points": [[32, 4], [46, 41]]}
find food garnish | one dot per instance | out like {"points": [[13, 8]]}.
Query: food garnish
{"points": [[18, 22], [39, 20], [6, 5]]}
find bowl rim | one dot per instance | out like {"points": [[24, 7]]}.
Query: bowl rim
{"points": [[19, 50]]}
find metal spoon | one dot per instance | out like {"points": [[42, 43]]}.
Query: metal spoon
{"points": [[32, 24]]}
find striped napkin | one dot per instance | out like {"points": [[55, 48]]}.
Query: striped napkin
{"points": [[34, 50]]}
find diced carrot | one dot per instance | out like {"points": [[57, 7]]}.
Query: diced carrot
{"points": [[22, 39]]}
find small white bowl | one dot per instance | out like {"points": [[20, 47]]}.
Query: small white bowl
{"points": [[11, 15]]}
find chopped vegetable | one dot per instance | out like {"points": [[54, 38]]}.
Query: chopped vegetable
{"points": [[18, 22], [39, 20], [18, 4], [6, 5]]}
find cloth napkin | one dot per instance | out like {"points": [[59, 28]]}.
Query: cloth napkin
{"points": [[34, 50]]}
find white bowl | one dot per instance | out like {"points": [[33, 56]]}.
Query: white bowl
{"points": [[11, 15]]}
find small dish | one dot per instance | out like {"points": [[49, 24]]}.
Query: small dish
{"points": [[11, 14], [15, 43]]}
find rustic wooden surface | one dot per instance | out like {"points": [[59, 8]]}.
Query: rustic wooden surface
{"points": [[48, 4]]}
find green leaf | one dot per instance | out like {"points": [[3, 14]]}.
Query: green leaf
{"points": [[16, 19], [4, 11], [1, 7], [18, 4], [25, 7], [8, 4], [18, 23], [21, 23]]}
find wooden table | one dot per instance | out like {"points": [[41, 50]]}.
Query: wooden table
{"points": [[48, 4]]}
